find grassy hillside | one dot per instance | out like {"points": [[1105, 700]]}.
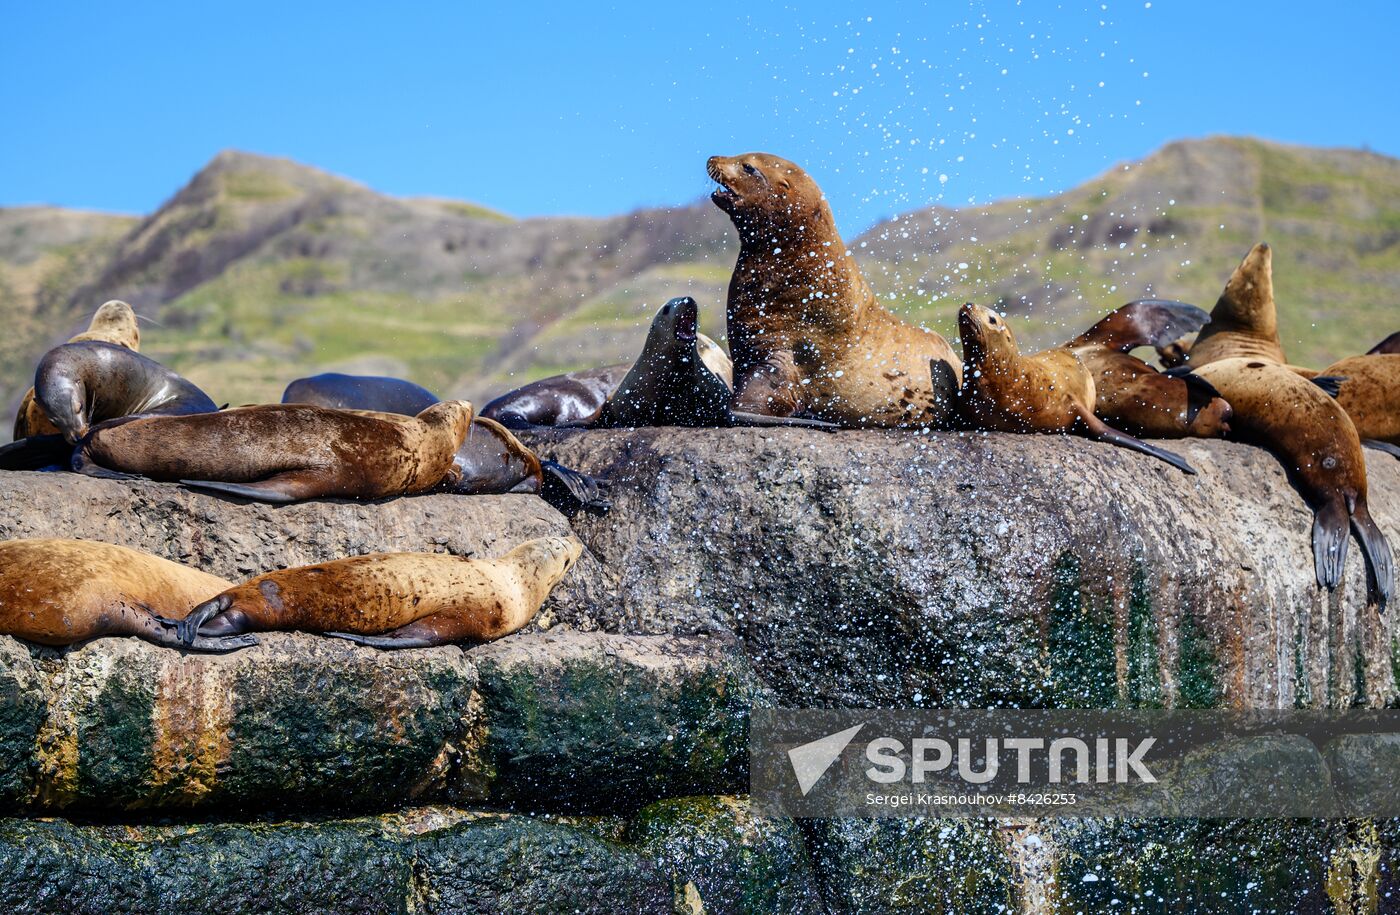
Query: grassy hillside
{"points": [[260, 270]]}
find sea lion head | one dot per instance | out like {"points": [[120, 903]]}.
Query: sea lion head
{"points": [[452, 416], [983, 332], [763, 192], [62, 394], [548, 558], [114, 322], [1248, 299], [673, 332]]}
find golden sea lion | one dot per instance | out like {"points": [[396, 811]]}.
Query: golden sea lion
{"points": [[1368, 389], [58, 592], [393, 600], [114, 322], [1048, 392], [1130, 394], [284, 452], [805, 331], [1244, 322]]}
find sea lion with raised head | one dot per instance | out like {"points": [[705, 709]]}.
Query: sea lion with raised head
{"points": [[114, 322], [805, 331], [1131, 395], [59, 592], [284, 452], [1048, 392], [78, 385], [1318, 445], [1244, 322], [393, 600], [490, 461]]}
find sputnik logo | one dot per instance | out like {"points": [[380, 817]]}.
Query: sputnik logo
{"points": [[811, 760]]}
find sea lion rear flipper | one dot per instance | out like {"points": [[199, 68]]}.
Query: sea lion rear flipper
{"points": [[1378, 554], [1332, 384], [1387, 447], [741, 418], [1102, 431], [35, 452], [1144, 322], [1330, 543], [569, 490], [164, 632], [291, 486]]}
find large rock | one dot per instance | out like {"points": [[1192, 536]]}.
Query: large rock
{"points": [[892, 568]]}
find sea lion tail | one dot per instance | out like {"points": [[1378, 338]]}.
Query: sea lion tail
{"points": [[569, 490], [1378, 554], [35, 453], [1145, 322], [1330, 543], [1387, 447], [1331, 384]]}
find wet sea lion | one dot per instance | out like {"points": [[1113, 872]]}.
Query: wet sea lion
{"points": [[577, 397], [393, 600], [805, 330], [360, 392], [58, 592], [1244, 321], [1130, 394], [1368, 389], [283, 452], [1050, 391], [490, 461], [1319, 447], [114, 322], [1390, 346], [80, 384]]}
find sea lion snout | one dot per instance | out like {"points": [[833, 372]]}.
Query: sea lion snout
{"points": [[685, 313]]}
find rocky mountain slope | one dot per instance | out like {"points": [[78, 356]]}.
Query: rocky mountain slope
{"points": [[259, 269]]}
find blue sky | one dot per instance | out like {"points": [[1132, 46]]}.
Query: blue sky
{"points": [[596, 108]]}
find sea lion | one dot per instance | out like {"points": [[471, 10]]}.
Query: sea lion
{"points": [[1368, 389], [113, 322], [360, 392], [805, 330], [1050, 391], [577, 397], [393, 600], [58, 592], [1244, 322], [1390, 346], [283, 452], [490, 461], [1130, 394], [80, 384], [1319, 447]]}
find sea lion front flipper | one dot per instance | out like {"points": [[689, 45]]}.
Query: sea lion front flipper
{"points": [[1378, 554], [35, 452], [1330, 543], [1144, 322], [1387, 447], [569, 490], [428, 632], [1199, 394], [279, 489], [1103, 432], [740, 418], [1330, 384]]}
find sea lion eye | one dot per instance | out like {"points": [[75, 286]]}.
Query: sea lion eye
{"points": [[750, 169]]}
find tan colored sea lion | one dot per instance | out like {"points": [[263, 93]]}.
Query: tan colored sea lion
{"points": [[284, 452], [1244, 322], [1048, 392], [1319, 447], [1133, 396], [1368, 389], [114, 322], [59, 592], [394, 600], [805, 330]]}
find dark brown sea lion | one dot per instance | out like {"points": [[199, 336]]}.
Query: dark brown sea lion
{"points": [[1390, 346], [58, 592], [284, 452], [1048, 392], [1368, 389], [78, 385], [393, 600], [490, 461], [1244, 322], [1319, 447], [1130, 394], [805, 330], [113, 322]]}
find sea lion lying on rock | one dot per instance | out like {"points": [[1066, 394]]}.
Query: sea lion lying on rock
{"points": [[114, 322], [392, 600]]}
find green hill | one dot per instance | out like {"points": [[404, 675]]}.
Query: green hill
{"points": [[259, 270]]}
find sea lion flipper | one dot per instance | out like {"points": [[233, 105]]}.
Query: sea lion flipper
{"points": [[1331, 384], [292, 486], [1144, 322], [1102, 431], [427, 632], [1378, 554], [1330, 543], [1389, 346], [1387, 447], [743, 418], [569, 490], [385, 641]]}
